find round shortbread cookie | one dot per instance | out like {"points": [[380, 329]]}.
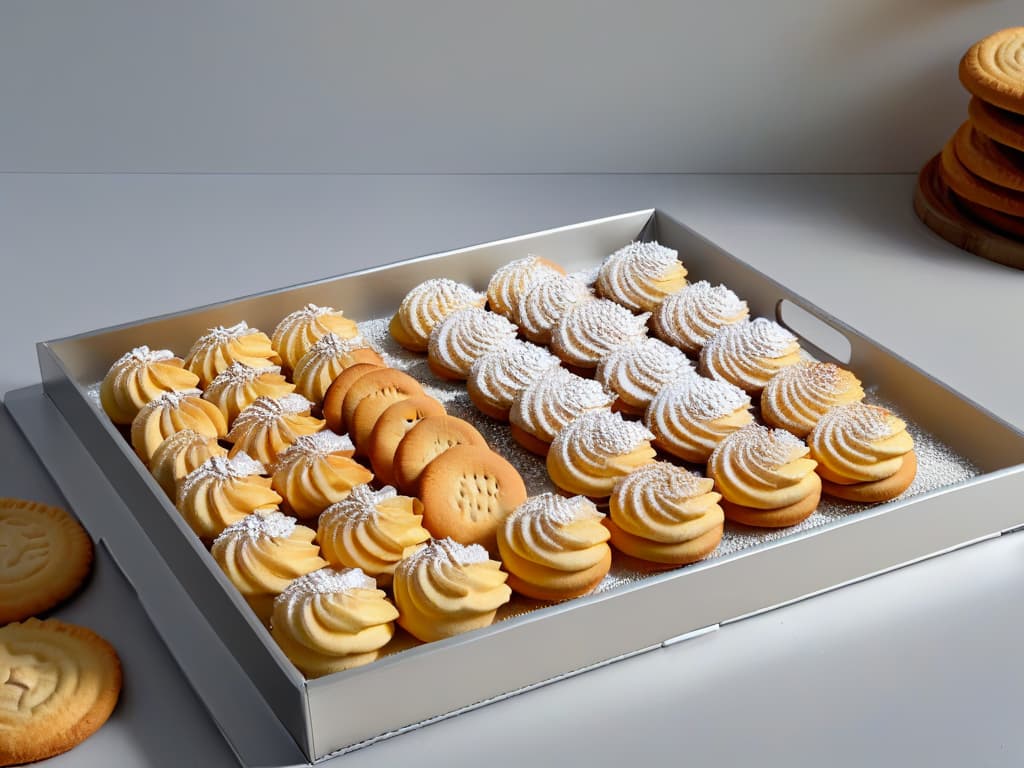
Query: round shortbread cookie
{"points": [[426, 441], [61, 682], [782, 517], [386, 382], [977, 190], [393, 425], [987, 159], [45, 555], [993, 69], [999, 125], [335, 395], [467, 492], [878, 490]]}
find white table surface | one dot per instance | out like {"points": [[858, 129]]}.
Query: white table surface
{"points": [[914, 667]]}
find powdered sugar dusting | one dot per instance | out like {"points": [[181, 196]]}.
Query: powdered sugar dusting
{"points": [[555, 507], [772, 447], [270, 524], [706, 399], [321, 443], [662, 480], [446, 549], [859, 420], [331, 345], [328, 581], [144, 355], [173, 399], [266, 410], [759, 337], [224, 468], [606, 433], [241, 374]]}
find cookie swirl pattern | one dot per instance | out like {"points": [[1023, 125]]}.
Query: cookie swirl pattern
{"points": [[798, 396], [547, 405], [544, 303], [465, 336], [690, 418], [641, 275], [510, 282], [139, 377], [637, 371], [688, 319], [749, 354], [173, 412], [269, 425], [221, 492], [428, 304], [239, 385], [591, 329], [316, 471], [221, 346], [300, 330]]}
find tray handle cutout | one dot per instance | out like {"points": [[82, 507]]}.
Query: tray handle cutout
{"points": [[815, 330]]}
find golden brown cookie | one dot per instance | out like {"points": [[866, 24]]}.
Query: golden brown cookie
{"points": [[999, 125], [61, 682], [45, 556], [364, 419], [467, 492], [430, 438], [335, 395], [780, 517], [975, 189], [394, 423], [987, 159], [878, 490], [387, 383], [993, 69]]}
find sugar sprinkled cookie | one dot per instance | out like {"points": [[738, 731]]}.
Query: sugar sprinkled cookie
{"points": [[61, 682], [44, 557], [993, 69]]}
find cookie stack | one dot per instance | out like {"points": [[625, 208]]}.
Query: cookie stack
{"points": [[972, 193]]}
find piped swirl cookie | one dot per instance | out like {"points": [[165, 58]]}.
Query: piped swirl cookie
{"points": [[689, 318], [268, 426], [497, 377], [60, 684], [330, 620], [262, 554], [425, 306], [222, 491], [864, 453], [463, 337], [467, 492], [596, 450], [446, 588], [638, 370], [641, 275], [510, 282], [173, 412], [238, 385], [221, 346], [749, 354], [689, 418], [765, 477], [180, 454], [591, 329], [300, 330], [371, 530], [139, 377], [664, 514], [545, 301], [554, 548], [798, 396], [543, 408], [45, 555], [327, 358], [316, 471]]}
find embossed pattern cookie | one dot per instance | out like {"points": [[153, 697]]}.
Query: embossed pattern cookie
{"points": [[993, 69], [60, 684], [45, 556]]}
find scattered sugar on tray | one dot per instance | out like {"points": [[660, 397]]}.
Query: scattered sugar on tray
{"points": [[328, 581]]}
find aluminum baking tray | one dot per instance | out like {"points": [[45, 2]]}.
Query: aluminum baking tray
{"points": [[349, 709]]}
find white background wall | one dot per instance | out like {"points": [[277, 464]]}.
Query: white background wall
{"points": [[482, 85]]}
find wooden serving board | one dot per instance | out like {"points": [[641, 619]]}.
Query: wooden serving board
{"points": [[939, 209]]}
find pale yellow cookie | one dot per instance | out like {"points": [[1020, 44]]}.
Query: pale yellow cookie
{"points": [[60, 684], [44, 557]]}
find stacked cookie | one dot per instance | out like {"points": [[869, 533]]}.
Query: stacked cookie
{"points": [[978, 179]]}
